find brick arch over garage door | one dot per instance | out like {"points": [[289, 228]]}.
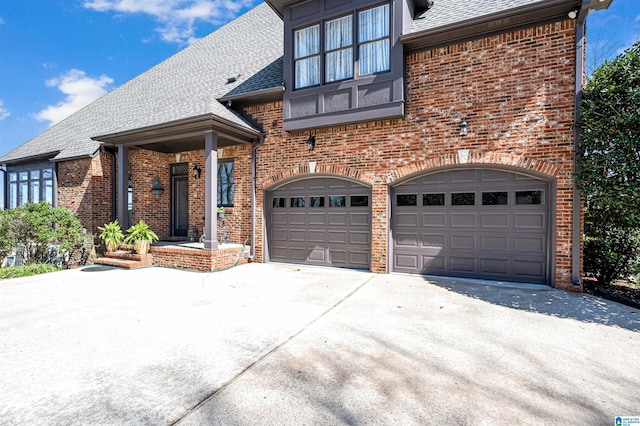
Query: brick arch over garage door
{"points": [[320, 220], [476, 221]]}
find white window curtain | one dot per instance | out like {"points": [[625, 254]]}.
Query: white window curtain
{"points": [[307, 56], [338, 43], [373, 35]]}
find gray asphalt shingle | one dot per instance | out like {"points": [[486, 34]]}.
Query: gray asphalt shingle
{"points": [[189, 83], [185, 85], [444, 13]]}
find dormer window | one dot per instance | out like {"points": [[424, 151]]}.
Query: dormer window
{"points": [[307, 57], [373, 35], [343, 62], [338, 45], [337, 50]]}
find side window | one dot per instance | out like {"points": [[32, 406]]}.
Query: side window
{"points": [[373, 38], [226, 183], [306, 57], [30, 186], [338, 46]]}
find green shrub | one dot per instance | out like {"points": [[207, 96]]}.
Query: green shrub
{"points": [[26, 270], [612, 255], [44, 234]]}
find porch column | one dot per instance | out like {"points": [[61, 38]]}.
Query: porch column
{"points": [[123, 187], [211, 191]]}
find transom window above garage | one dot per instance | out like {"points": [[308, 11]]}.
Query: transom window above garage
{"points": [[469, 198], [321, 201]]}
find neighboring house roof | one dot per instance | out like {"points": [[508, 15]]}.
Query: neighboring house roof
{"points": [[191, 82], [185, 85]]}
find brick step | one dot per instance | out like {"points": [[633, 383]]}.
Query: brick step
{"points": [[121, 263], [128, 255], [125, 259]]}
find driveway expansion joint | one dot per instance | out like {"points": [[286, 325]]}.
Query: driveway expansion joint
{"points": [[272, 351]]}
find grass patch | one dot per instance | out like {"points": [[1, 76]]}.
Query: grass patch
{"points": [[26, 270]]}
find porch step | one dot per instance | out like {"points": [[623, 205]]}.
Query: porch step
{"points": [[125, 259]]}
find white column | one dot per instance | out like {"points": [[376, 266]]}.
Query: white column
{"points": [[211, 191]]}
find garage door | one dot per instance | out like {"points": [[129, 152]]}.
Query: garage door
{"points": [[321, 221], [476, 223]]}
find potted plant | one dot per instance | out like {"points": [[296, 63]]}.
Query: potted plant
{"points": [[221, 215], [142, 236], [111, 235]]}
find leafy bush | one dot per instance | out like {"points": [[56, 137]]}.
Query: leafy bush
{"points": [[44, 234], [609, 167], [611, 255], [26, 270]]}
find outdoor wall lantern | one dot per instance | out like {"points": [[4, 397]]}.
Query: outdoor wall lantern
{"points": [[311, 142], [463, 127], [156, 187], [197, 171]]}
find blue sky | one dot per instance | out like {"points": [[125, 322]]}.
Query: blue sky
{"points": [[59, 55]]}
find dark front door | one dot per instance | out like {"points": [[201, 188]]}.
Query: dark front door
{"points": [[179, 200]]}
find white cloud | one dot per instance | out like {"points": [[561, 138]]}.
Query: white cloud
{"points": [[1, 20], [80, 90], [176, 17], [4, 113]]}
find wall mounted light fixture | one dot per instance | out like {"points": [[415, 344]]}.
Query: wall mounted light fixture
{"points": [[197, 171], [463, 127], [156, 187], [311, 142]]}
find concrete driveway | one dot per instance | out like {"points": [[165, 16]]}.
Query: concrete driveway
{"points": [[282, 344]]}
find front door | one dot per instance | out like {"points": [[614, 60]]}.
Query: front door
{"points": [[179, 199]]}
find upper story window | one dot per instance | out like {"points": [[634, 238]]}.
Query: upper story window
{"points": [[338, 47], [30, 186], [373, 38]]}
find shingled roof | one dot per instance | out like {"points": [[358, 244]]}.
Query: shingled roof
{"points": [[185, 85], [191, 82]]}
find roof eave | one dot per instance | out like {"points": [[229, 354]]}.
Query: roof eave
{"points": [[506, 20], [174, 129], [44, 156], [262, 95]]}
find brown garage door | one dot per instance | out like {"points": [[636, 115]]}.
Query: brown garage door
{"points": [[321, 221], [476, 223]]}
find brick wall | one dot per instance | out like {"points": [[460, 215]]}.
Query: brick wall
{"points": [[515, 90], [84, 187], [145, 165]]}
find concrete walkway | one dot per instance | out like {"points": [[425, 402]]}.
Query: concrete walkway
{"points": [[282, 344]]}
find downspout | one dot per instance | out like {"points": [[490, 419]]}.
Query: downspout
{"points": [[577, 200], [254, 157], [114, 204]]}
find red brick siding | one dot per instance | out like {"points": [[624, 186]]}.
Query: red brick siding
{"points": [[515, 91], [145, 165], [84, 187], [197, 260]]}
